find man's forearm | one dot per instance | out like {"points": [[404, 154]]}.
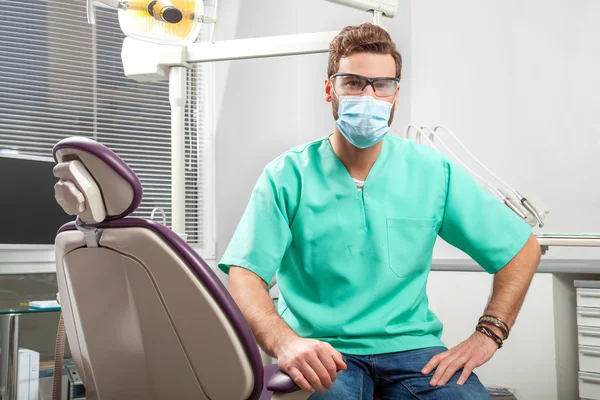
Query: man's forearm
{"points": [[251, 295], [512, 282]]}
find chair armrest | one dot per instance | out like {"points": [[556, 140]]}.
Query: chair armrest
{"points": [[281, 382]]}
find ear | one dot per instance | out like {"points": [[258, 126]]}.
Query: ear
{"points": [[328, 89], [397, 97]]}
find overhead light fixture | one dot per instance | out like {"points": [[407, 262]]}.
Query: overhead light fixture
{"points": [[171, 22]]}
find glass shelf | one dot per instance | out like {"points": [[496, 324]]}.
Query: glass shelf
{"points": [[8, 307]]}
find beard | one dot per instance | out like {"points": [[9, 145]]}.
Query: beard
{"points": [[335, 105]]}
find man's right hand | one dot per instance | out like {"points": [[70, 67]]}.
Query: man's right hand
{"points": [[312, 364]]}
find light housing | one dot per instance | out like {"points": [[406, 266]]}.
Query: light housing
{"points": [[171, 22]]}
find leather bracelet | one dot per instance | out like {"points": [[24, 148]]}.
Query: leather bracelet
{"points": [[490, 334], [497, 322]]}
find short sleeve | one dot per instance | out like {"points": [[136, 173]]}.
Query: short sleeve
{"points": [[263, 234], [479, 224]]}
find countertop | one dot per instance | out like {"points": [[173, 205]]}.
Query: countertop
{"points": [[546, 266]]}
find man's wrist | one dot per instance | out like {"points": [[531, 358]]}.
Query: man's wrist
{"points": [[486, 338], [482, 329], [282, 342], [494, 329]]}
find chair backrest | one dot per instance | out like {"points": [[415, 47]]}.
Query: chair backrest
{"points": [[145, 316]]}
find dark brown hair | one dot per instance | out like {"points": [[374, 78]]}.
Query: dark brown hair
{"points": [[365, 38]]}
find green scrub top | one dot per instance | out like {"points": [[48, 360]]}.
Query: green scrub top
{"points": [[352, 265]]}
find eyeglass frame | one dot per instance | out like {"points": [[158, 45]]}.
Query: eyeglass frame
{"points": [[370, 81]]}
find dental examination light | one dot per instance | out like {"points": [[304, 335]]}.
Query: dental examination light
{"points": [[525, 208], [161, 44], [175, 22]]}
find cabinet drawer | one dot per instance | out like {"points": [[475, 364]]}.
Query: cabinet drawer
{"points": [[587, 316], [587, 297], [589, 386], [589, 359], [588, 336]]}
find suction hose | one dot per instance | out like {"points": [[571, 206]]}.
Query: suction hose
{"points": [[59, 354]]}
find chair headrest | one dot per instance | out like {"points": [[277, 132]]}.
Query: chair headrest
{"points": [[94, 183]]}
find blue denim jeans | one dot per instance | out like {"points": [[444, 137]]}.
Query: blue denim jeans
{"points": [[398, 376]]}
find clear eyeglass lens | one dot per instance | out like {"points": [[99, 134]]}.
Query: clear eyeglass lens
{"points": [[353, 86]]}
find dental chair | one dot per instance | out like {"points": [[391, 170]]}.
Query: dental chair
{"points": [[144, 315]]}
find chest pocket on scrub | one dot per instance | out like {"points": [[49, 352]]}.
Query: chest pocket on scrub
{"points": [[410, 245]]}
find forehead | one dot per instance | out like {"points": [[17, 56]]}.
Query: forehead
{"points": [[369, 64]]}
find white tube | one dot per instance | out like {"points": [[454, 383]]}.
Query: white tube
{"points": [[419, 134], [524, 202], [177, 99], [477, 176], [477, 160], [485, 183]]}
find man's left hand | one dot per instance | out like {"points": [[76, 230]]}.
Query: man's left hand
{"points": [[470, 354]]}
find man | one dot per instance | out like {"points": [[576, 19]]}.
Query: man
{"points": [[348, 224]]}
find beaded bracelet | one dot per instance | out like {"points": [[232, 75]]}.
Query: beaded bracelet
{"points": [[497, 322], [489, 333]]}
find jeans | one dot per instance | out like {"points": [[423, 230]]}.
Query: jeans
{"points": [[398, 376]]}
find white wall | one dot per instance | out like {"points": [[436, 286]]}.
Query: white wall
{"points": [[517, 79], [271, 105]]}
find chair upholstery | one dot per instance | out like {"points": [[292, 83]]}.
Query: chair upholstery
{"points": [[145, 315]]}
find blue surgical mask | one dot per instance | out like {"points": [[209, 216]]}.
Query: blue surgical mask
{"points": [[363, 120]]}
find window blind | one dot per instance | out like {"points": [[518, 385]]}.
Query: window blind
{"points": [[60, 76]]}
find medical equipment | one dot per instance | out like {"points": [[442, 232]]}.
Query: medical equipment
{"points": [[176, 22], [144, 314], [533, 214], [499, 193], [145, 60], [524, 202]]}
